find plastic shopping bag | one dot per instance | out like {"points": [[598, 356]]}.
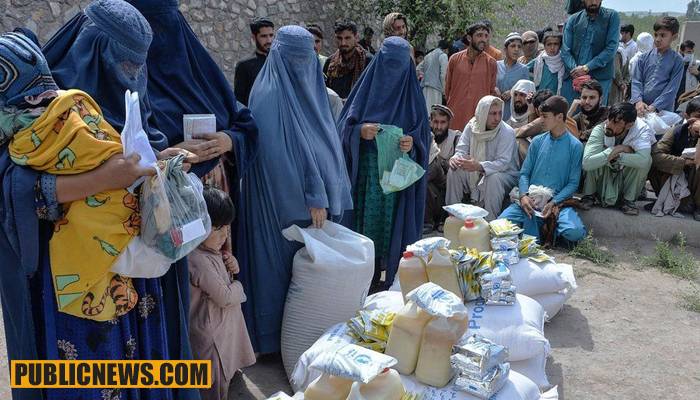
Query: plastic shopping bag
{"points": [[134, 139], [174, 217], [396, 170]]}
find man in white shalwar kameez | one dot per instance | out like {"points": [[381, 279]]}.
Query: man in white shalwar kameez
{"points": [[485, 164]]}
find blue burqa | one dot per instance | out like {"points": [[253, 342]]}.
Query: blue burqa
{"points": [[95, 52], [388, 92], [190, 82], [184, 79], [20, 242], [300, 166]]}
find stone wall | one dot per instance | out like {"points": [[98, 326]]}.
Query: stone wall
{"points": [[222, 25]]}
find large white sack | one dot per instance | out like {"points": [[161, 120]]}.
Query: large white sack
{"points": [[390, 301], [531, 278], [335, 338], [553, 302], [519, 327], [331, 275], [518, 387], [534, 369]]}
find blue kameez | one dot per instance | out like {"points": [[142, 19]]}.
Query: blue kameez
{"points": [[554, 163]]}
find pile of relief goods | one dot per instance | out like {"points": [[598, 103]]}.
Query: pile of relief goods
{"points": [[461, 322]]}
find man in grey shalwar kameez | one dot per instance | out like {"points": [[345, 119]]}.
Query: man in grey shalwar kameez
{"points": [[485, 165]]}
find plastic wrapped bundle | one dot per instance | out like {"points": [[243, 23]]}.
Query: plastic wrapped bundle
{"points": [[174, 217], [477, 356]]}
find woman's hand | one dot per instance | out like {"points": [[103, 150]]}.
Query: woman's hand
{"points": [[318, 217], [406, 143], [171, 152], [369, 131], [207, 146], [120, 172]]}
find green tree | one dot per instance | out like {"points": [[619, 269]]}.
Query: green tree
{"points": [[447, 18], [693, 11]]}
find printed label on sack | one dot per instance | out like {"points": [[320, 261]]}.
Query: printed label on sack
{"points": [[193, 230]]}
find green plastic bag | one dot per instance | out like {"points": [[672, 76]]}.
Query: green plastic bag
{"points": [[396, 169]]}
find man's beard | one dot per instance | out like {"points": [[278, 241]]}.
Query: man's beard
{"points": [[609, 133], [262, 49], [475, 47], [593, 9], [592, 112], [520, 108], [440, 136], [346, 50]]}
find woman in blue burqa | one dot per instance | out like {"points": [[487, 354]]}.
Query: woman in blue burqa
{"points": [[103, 53], [184, 79], [298, 177], [387, 93], [29, 206]]}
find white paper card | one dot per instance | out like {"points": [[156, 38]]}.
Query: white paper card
{"points": [[197, 124], [192, 231]]}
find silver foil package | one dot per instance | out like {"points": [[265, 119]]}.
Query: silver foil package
{"points": [[497, 286], [477, 356], [488, 386]]}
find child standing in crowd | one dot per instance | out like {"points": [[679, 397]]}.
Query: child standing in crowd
{"points": [[217, 329], [658, 73]]}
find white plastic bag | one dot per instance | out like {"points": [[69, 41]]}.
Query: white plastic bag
{"points": [[390, 301], [670, 118], [138, 260], [134, 139], [463, 211], [437, 301], [518, 327], [333, 339], [353, 362], [656, 123], [533, 369], [533, 279], [330, 280]]}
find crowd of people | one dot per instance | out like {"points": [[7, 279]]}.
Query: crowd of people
{"points": [[563, 112]]}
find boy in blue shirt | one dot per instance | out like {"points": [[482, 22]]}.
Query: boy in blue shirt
{"points": [[658, 73]]}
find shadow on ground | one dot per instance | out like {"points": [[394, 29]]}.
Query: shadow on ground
{"points": [[260, 381]]}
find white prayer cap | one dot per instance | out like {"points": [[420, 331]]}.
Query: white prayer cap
{"points": [[512, 36]]}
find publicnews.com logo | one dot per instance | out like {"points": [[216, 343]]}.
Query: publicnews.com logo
{"points": [[152, 374]]}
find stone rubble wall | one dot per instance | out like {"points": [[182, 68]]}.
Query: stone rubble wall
{"points": [[221, 25]]}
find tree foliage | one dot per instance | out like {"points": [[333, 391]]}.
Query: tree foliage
{"points": [[693, 11], [446, 18]]}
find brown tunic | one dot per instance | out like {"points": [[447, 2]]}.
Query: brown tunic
{"points": [[217, 328], [467, 83]]}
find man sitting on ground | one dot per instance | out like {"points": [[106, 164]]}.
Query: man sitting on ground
{"points": [[520, 109], [485, 165], [553, 161], [668, 160], [587, 110], [617, 159], [442, 149]]}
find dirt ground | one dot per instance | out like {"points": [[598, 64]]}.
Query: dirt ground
{"points": [[623, 335]]}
